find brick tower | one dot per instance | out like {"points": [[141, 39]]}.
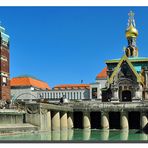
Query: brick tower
{"points": [[4, 65]]}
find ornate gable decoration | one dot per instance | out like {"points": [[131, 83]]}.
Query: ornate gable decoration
{"points": [[117, 69]]}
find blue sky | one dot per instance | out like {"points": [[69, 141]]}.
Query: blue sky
{"points": [[64, 45]]}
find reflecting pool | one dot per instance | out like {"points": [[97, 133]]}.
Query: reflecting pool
{"points": [[79, 135]]}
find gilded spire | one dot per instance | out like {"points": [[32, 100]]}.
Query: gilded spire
{"points": [[131, 20], [131, 30], [131, 35]]}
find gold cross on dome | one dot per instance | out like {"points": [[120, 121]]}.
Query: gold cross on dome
{"points": [[131, 15], [131, 19]]}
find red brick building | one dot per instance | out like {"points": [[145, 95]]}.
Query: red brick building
{"points": [[4, 65]]}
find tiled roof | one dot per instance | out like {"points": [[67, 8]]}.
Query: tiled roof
{"points": [[28, 81], [102, 74], [72, 86]]}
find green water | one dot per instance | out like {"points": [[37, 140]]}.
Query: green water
{"points": [[79, 135]]}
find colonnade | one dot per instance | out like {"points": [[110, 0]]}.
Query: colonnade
{"points": [[60, 120], [124, 122]]}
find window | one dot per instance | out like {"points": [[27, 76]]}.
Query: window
{"points": [[68, 95], [74, 95], [65, 95], [42, 95], [4, 80], [80, 95], [77, 96], [94, 93], [53, 95]]}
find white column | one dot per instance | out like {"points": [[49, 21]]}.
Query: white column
{"points": [[70, 120], [104, 120], [86, 120], [72, 95], [55, 122], [143, 119], [48, 120], [76, 95], [90, 92], [124, 120], [82, 95], [99, 92], [63, 122]]}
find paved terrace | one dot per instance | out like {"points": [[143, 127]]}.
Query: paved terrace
{"points": [[97, 106]]}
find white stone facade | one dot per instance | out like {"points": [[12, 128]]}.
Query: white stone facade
{"points": [[102, 82], [23, 93], [98, 88], [78, 94], [30, 94]]}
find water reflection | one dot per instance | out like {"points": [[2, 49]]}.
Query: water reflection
{"points": [[70, 134], [64, 135], [46, 136], [55, 135], [124, 134], [80, 135], [143, 136], [104, 134], [86, 134]]}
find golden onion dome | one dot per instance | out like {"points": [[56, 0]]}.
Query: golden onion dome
{"points": [[131, 31]]}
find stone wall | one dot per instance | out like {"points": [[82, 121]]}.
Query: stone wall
{"points": [[8, 116]]}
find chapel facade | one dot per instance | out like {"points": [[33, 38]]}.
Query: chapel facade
{"points": [[127, 77]]}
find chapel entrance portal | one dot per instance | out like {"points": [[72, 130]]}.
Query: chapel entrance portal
{"points": [[126, 96]]}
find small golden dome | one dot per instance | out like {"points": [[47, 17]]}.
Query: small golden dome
{"points": [[131, 32]]}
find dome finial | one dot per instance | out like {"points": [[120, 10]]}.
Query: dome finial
{"points": [[131, 35], [131, 20], [131, 30]]}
